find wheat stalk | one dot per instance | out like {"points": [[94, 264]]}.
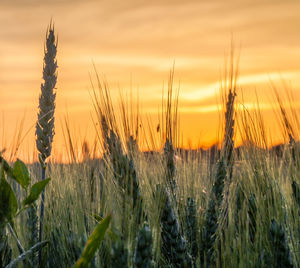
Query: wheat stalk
{"points": [[173, 244], [192, 227], [143, 252], [32, 231], [212, 215], [5, 249], [45, 124], [281, 252]]}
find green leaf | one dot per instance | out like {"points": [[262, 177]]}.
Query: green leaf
{"points": [[112, 233], [21, 174], [35, 192], [8, 200], [93, 243], [6, 167]]}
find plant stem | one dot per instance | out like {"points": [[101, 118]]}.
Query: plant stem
{"points": [[23, 256], [42, 215], [20, 247]]}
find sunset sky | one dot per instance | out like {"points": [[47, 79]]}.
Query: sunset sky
{"points": [[134, 45]]}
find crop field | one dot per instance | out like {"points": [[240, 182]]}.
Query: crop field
{"points": [[116, 205]]}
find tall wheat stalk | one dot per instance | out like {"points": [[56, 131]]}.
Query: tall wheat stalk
{"points": [[170, 135], [45, 124], [217, 210]]}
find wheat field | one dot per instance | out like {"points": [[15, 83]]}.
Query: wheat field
{"points": [[226, 206]]}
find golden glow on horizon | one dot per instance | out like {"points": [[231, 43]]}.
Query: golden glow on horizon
{"points": [[134, 45]]}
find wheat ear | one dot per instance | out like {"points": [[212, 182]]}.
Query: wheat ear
{"points": [[45, 124]]}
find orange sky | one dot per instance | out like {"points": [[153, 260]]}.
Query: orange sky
{"points": [[135, 43]]}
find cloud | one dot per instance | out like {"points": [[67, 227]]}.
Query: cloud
{"points": [[134, 43]]}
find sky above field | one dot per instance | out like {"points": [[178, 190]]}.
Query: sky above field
{"points": [[134, 44]]}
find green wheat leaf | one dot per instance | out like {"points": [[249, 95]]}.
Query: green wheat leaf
{"points": [[35, 191], [93, 243], [21, 174]]}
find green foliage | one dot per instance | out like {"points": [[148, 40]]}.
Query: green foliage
{"points": [[93, 243], [8, 201], [10, 208], [35, 192], [6, 167], [21, 174]]}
